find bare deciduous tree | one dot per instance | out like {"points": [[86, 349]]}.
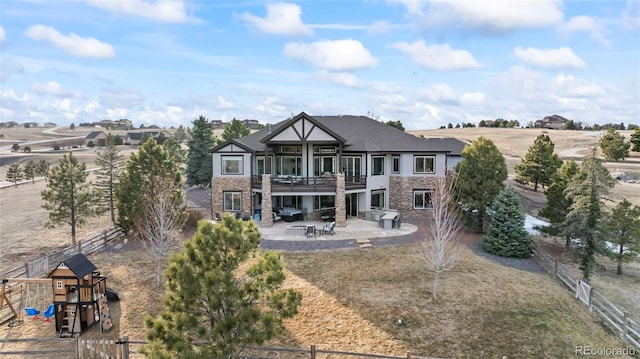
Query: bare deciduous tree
{"points": [[161, 221], [440, 247]]}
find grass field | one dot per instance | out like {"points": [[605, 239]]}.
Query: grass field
{"points": [[354, 298]]}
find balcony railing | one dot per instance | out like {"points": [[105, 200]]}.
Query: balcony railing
{"points": [[309, 184]]}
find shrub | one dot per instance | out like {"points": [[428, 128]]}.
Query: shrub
{"points": [[56, 147], [15, 147], [193, 216], [91, 144], [26, 149]]}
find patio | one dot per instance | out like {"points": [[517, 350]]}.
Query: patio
{"points": [[355, 229]]}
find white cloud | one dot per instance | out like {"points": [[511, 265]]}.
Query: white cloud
{"points": [[339, 78], [379, 27], [282, 19], [92, 107], [2, 35], [437, 93], [631, 15], [271, 106], [570, 86], [10, 66], [587, 24], [53, 88], [561, 58], [10, 94], [340, 55], [437, 57], [119, 97], [469, 98], [72, 43], [495, 16], [171, 11], [224, 104]]}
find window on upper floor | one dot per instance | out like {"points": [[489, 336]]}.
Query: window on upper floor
{"points": [[377, 169], [232, 201], [422, 199], [232, 165], [395, 164], [424, 164], [289, 165]]}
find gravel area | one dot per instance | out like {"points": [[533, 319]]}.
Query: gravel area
{"points": [[525, 264]]}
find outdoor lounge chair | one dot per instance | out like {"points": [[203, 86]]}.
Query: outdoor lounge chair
{"points": [[328, 229], [276, 217]]}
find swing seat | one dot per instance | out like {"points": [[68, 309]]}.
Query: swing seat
{"points": [[51, 310], [31, 311]]}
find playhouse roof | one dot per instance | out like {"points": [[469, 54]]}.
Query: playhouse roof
{"points": [[78, 264]]}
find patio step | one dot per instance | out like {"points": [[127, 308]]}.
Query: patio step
{"points": [[364, 243]]}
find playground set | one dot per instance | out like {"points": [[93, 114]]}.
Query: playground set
{"points": [[75, 291]]}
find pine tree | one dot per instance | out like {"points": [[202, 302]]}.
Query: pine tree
{"points": [[481, 175], [31, 171], [199, 164], [507, 236], [151, 161], [109, 162], [539, 163], [235, 129], [613, 145], [211, 300], [635, 140], [14, 173], [70, 199], [557, 203], [174, 150], [624, 230], [43, 169], [584, 219], [180, 135]]}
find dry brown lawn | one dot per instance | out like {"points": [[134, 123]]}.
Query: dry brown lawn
{"points": [[354, 298]]}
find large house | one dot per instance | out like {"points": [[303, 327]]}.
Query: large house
{"points": [[350, 165], [554, 122]]}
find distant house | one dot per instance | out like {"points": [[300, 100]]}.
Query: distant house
{"points": [[105, 123], [252, 124], [123, 123], [98, 138], [30, 124], [135, 138], [554, 122], [50, 125], [218, 124]]}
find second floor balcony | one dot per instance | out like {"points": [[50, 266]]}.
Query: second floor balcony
{"points": [[284, 183]]}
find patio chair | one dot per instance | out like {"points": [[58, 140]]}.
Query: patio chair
{"points": [[328, 229], [276, 217], [310, 230]]}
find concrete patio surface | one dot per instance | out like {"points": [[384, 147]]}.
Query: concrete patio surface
{"points": [[355, 229]]}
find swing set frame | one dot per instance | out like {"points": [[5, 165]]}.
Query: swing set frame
{"points": [[5, 287]]}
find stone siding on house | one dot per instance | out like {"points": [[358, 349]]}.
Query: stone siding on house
{"points": [[230, 184], [401, 194]]}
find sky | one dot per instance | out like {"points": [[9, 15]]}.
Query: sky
{"points": [[423, 63]]}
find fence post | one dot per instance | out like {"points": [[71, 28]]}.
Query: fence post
{"points": [[590, 296], [625, 325], [313, 351], [26, 268], [104, 239], [408, 354], [555, 268], [78, 348], [79, 246], [125, 348]]}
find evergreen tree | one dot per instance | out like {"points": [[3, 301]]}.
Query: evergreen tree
{"points": [[507, 236], [584, 220], [215, 299], [199, 164], [161, 138], [624, 230], [396, 124], [557, 203], [175, 151], [109, 162], [181, 134], [539, 163], [31, 171], [613, 145], [43, 169], [14, 173], [150, 162], [235, 129], [70, 199], [481, 176], [635, 139]]}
